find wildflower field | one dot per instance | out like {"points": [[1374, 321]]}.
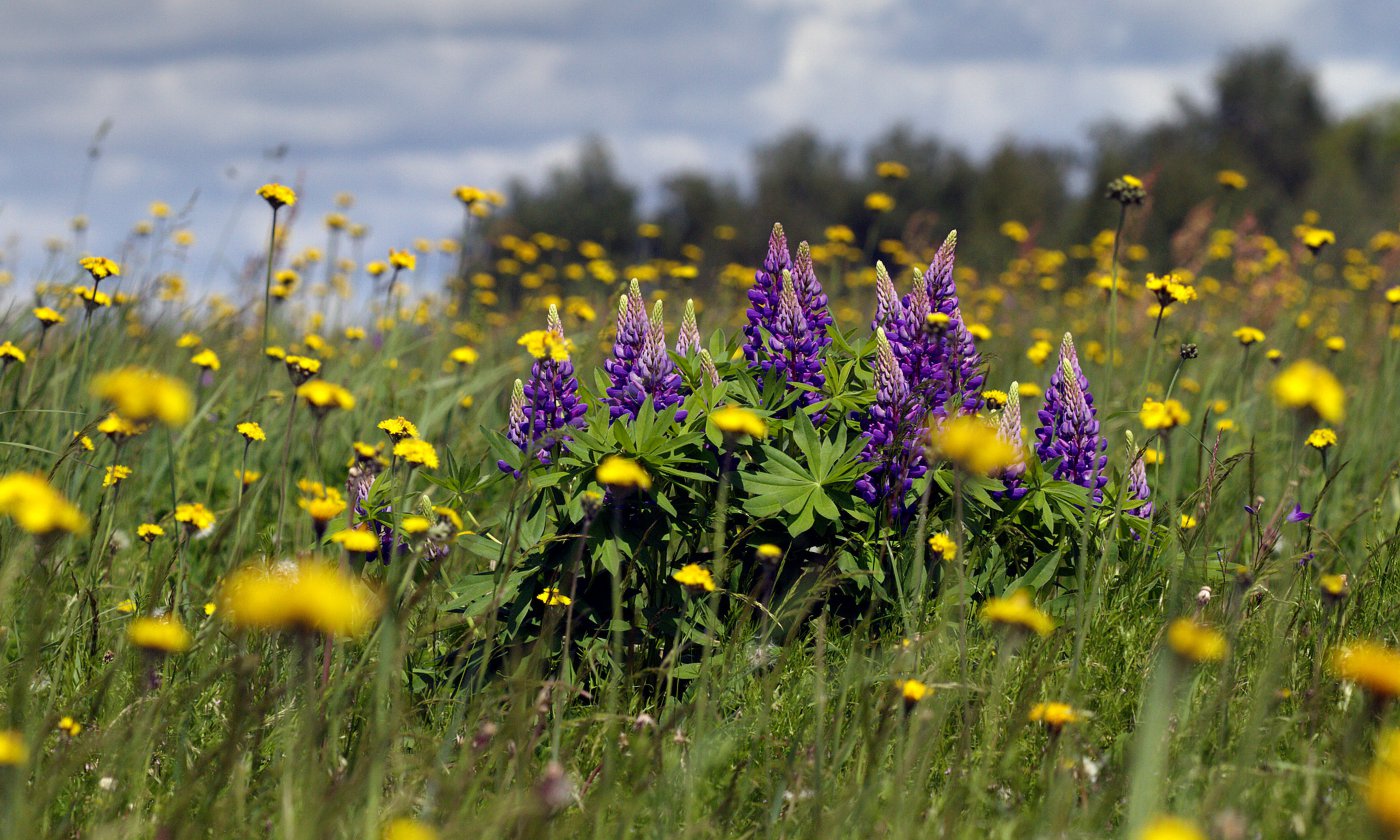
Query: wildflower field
{"points": [[512, 535]]}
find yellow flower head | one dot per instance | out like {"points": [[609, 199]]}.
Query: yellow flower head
{"points": [[1171, 828], [36, 507], [301, 368], [974, 446], [48, 316], [1371, 665], [160, 634], [309, 596], [1306, 384], [695, 578], [356, 540], [119, 428], [879, 202], [616, 471], [1196, 642], [141, 395], [768, 552], [464, 355], [892, 169], [994, 399], [1249, 335], [1016, 610], [206, 359], [398, 428], [126, 606], [734, 420], [10, 353], [277, 195], [1333, 586], [100, 267], [418, 452], [13, 751], [323, 506], [1163, 415], [116, 474], [912, 691], [943, 546], [1322, 438], [1231, 180], [1055, 716], [251, 431], [149, 532], [323, 396], [542, 343], [1314, 239], [552, 597], [407, 829], [402, 260], [194, 515]]}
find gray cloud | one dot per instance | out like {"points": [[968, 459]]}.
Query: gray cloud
{"points": [[398, 102]]}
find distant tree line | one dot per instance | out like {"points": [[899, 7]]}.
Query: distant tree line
{"points": [[1264, 118]]}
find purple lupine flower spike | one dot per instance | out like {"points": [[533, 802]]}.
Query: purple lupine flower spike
{"points": [[763, 297], [1069, 427], [892, 438], [548, 404], [660, 379], [810, 295], [959, 358], [887, 304], [793, 353], [688, 338], [707, 366], [1138, 490], [1009, 430], [624, 395]]}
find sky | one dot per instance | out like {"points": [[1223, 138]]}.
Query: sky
{"points": [[398, 102]]}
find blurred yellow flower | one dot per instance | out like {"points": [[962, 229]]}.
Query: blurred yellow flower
{"points": [[695, 578], [1306, 384], [1163, 415], [139, 395], [307, 596], [36, 507], [159, 634], [1016, 610], [735, 420], [617, 471], [13, 751], [552, 597], [194, 515], [100, 267], [1196, 642], [1371, 665], [974, 446]]}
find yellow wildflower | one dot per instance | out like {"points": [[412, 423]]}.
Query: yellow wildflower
{"points": [[734, 420], [36, 507], [974, 446], [1306, 384], [140, 395], [616, 471], [160, 634], [418, 452], [1016, 610], [1196, 642], [695, 578]]}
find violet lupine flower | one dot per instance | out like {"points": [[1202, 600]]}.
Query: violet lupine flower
{"points": [[548, 405], [892, 438], [793, 353], [930, 340], [787, 333], [764, 295], [959, 358], [1009, 430], [688, 337], [810, 296], [1138, 489], [1069, 426], [640, 366]]}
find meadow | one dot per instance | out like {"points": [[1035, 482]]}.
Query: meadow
{"points": [[509, 535]]}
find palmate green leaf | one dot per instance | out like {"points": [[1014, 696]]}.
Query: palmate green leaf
{"points": [[803, 490]]}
